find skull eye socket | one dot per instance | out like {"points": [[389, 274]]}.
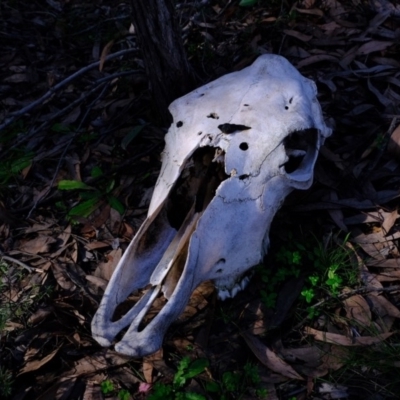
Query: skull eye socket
{"points": [[300, 147]]}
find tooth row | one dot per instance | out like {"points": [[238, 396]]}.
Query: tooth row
{"points": [[224, 294]]}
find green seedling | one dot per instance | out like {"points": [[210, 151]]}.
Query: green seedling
{"points": [[14, 164], [107, 387], [91, 197], [187, 370], [328, 266]]}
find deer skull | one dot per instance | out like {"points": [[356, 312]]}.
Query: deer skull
{"points": [[237, 147]]}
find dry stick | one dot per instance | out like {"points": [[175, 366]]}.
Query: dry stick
{"points": [[54, 89], [344, 296], [15, 261]]}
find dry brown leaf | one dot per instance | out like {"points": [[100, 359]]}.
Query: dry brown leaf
{"points": [[59, 272], [101, 360], [336, 338], [373, 45], [358, 309], [297, 35], [105, 269], [385, 311], [311, 11], [92, 392], [60, 390], [99, 282], [393, 147], [333, 359], [41, 244], [269, 358], [315, 59], [105, 52], [17, 78], [36, 364], [40, 315], [389, 263]]}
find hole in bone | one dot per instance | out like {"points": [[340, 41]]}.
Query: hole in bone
{"points": [[243, 146], [199, 179], [179, 124], [286, 108], [244, 176], [213, 115], [297, 144], [232, 128]]}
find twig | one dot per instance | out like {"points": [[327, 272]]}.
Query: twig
{"points": [[55, 88], [15, 261]]}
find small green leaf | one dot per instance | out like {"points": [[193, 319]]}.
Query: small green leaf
{"points": [[85, 208], [110, 186], [73, 185], [131, 135], [191, 396], [123, 394], [106, 386], [247, 3], [116, 204], [196, 368], [95, 172], [212, 387]]}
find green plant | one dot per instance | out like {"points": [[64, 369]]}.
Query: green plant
{"points": [[289, 263], [186, 370], [6, 382], [14, 164], [235, 384], [107, 387], [328, 266], [91, 197]]}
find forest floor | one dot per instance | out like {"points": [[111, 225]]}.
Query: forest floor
{"points": [[80, 154]]}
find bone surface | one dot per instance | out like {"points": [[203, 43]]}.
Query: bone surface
{"points": [[236, 148]]}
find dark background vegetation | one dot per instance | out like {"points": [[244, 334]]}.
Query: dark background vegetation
{"points": [[80, 102]]}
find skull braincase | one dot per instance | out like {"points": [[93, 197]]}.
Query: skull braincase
{"points": [[237, 146]]}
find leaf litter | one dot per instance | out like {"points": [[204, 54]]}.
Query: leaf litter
{"points": [[81, 113]]}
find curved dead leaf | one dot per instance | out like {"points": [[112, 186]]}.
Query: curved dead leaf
{"points": [[36, 364], [358, 310], [336, 338], [373, 45], [269, 358]]}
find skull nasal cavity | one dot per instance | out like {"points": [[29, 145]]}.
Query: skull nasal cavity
{"points": [[243, 146]]}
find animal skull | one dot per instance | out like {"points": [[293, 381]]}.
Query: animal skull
{"points": [[237, 147]]}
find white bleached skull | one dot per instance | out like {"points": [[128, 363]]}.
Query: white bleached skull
{"points": [[236, 148]]}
